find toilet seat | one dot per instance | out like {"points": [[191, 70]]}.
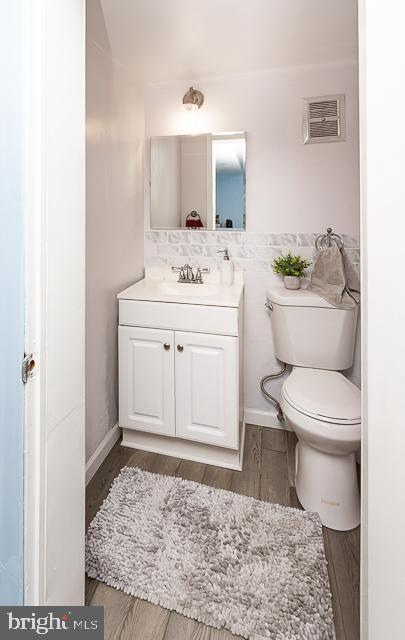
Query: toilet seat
{"points": [[323, 395]]}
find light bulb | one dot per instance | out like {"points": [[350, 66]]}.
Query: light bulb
{"points": [[189, 106]]}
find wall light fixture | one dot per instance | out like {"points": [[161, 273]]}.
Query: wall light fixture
{"points": [[193, 99]]}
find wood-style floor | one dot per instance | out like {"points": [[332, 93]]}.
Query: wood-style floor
{"points": [[268, 475]]}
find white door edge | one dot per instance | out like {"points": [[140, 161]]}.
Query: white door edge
{"points": [[44, 84]]}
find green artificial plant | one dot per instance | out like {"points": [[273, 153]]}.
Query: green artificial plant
{"points": [[290, 265]]}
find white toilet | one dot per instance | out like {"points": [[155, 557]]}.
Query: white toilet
{"points": [[319, 403]]}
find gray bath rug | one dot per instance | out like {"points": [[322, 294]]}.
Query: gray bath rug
{"points": [[254, 568]]}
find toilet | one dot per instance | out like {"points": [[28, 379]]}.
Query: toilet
{"points": [[319, 403]]}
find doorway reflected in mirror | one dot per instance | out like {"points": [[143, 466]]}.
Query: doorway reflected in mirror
{"points": [[198, 181]]}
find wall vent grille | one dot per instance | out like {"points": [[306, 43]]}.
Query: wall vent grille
{"points": [[324, 119]]}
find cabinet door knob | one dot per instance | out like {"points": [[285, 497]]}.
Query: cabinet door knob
{"points": [[166, 346], [180, 347]]}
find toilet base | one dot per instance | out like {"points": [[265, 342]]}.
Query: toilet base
{"points": [[327, 483]]}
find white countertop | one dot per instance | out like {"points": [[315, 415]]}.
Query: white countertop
{"points": [[212, 293]]}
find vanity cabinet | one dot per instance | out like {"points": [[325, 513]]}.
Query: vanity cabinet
{"points": [[178, 383], [180, 377]]}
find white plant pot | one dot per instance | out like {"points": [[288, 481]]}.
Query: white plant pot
{"points": [[292, 282]]}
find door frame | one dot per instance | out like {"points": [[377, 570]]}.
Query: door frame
{"points": [[54, 119], [382, 69]]}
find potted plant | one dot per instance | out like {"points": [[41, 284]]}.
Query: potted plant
{"points": [[292, 268]]}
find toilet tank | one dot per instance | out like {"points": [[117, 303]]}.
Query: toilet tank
{"points": [[309, 332]]}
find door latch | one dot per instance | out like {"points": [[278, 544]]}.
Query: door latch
{"points": [[28, 368]]}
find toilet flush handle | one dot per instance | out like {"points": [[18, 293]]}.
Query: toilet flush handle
{"points": [[268, 305]]}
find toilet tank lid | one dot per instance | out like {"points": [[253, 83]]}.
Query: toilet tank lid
{"points": [[297, 298]]}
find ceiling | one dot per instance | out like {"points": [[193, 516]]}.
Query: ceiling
{"points": [[166, 40]]}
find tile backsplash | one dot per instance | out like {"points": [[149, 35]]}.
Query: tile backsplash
{"points": [[250, 251]]}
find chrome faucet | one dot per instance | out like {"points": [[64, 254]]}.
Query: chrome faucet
{"points": [[187, 276]]}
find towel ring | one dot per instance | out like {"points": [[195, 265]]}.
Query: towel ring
{"points": [[193, 215], [325, 240]]}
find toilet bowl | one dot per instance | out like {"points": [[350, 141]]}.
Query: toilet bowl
{"points": [[323, 408]]}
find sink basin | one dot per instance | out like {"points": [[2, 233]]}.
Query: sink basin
{"points": [[189, 290], [211, 293]]}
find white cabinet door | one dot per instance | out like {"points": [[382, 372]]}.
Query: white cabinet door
{"points": [[207, 381], [146, 375]]}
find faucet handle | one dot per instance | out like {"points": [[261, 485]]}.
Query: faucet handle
{"points": [[198, 277], [181, 272]]}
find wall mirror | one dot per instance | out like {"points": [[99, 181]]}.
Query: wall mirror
{"points": [[198, 181]]}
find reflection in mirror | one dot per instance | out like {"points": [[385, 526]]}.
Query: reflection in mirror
{"points": [[198, 182]]}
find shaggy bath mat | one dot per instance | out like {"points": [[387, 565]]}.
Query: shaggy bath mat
{"points": [[255, 568]]}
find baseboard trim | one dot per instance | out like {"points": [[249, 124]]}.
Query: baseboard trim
{"points": [[102, 451], [263, 419]]}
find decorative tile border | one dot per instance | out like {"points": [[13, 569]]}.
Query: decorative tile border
{"points": [[250, 251]]}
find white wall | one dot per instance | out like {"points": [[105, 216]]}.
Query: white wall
{"points": [[293, 190], [290, 186], [383, 196], [114, 228]]}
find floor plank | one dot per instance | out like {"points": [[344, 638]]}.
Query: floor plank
{"points": [[116, 605], [246, 483], [222, 634], [90, 588], [294, 502], [144, 621], [142, 459], [217, 477], [274, 439], [252, 450], [291, 444], [337, 610], [182, 628], [274, 478], [343, 553], [191, 470], [166, 465]]}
